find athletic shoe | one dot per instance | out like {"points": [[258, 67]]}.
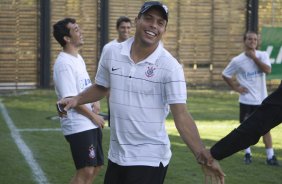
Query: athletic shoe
{"points": [[273, 161], [248, 158]]}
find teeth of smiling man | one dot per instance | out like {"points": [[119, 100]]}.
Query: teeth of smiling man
{"points": [[151, 33]]}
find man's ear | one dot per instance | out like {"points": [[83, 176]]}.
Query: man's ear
{"points": [[67, 38], [135, 20]]}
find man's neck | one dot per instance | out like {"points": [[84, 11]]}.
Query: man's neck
{"points": [[71, 50], [139, 53], [119, 40]]}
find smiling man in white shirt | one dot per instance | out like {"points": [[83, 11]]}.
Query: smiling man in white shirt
{"points": [[144, 81]]}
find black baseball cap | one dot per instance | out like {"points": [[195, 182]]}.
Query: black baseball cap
{"points": [[149, 4]]}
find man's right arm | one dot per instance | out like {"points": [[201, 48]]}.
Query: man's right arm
{"points": [[235, 141], [91, 94], [266, 117], [233, 86], [246, 134]]}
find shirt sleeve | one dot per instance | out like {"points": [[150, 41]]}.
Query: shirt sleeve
{"points": [[230, 69], [103, 75], [265, 58], [175, 86], [65, 82]]}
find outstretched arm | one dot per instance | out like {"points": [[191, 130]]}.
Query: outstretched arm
{"points": [[91, 94], [190, 135], [266, 117]]}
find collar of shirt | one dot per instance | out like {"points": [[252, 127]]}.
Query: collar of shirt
{"points": [[152, 58]]}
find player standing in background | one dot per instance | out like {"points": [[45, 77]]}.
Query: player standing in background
{"points": [[81, 125], [250, 69]]}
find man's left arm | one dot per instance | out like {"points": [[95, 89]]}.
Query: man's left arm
{"points": [[187, 128], [190, 135]]}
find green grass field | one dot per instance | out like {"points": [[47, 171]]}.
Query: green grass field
{"points": [[215, 112]]}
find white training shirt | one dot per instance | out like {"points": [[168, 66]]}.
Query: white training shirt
{"points": [[70, 78], [109, 44], [140, 94], [250, 76]]}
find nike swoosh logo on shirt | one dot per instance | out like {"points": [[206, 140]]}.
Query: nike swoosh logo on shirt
{"points": [[114, 69]]}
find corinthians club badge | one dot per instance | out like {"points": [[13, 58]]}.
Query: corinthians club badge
{"points": [[91, 152], [150, 71]]}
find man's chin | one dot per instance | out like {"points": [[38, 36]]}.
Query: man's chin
{"points": [[251, 48], [125, 37]]}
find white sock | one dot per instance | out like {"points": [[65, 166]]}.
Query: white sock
{"points": [[248, 150], [269, 153]]}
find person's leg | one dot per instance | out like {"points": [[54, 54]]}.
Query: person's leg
{"points": [[267, 140], [245, 111], [99, 151], [85, 175], [266, 116], [87, 155], [270, 156]]}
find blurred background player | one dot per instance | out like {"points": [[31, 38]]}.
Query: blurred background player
{"points": [[250, 68]]}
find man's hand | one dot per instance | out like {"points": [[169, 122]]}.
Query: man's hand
{"points": [[213, 173], [68, 103], [211, 168], [251, 54], [98, 120], [263, 66], [96, 107], [242, 90], [60, 110], [204, 157]]}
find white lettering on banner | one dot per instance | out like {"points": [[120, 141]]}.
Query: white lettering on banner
{"points": [[278, 59], [279, 56]]}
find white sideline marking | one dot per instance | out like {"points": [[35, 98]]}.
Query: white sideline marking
{"points": [[38, 174], [39, 129]]}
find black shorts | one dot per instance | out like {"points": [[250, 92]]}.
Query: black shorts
{"points": [[86, 148], [246, 111], [117, 174]]}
